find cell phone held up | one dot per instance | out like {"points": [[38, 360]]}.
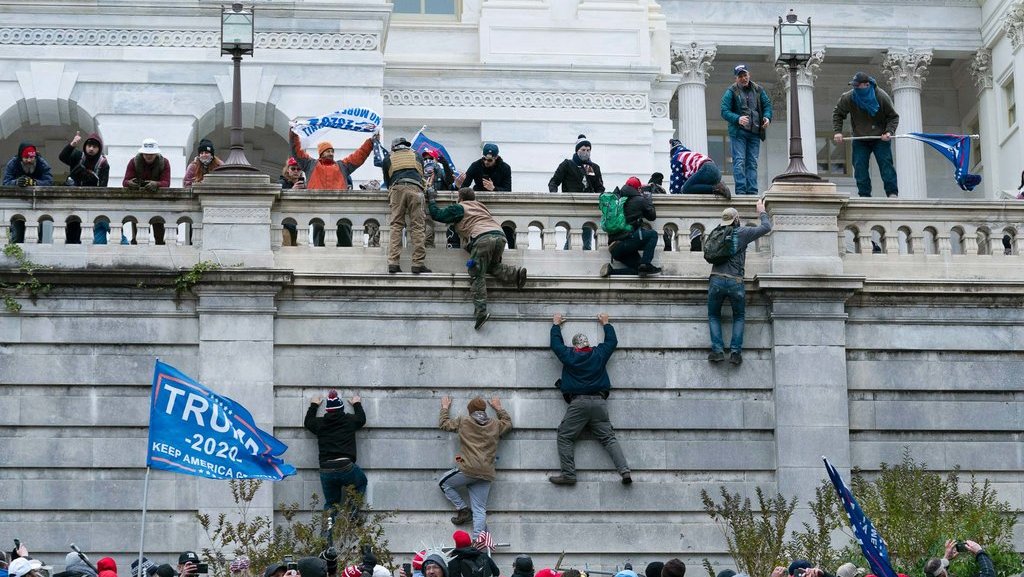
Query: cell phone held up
{"points": [[961, 547], [407, 568], [290, 564]]}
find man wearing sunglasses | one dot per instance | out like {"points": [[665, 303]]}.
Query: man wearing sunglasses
{"points": [[488, 174]]}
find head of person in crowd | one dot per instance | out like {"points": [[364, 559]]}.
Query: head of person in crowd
{"points": [[656, 178], [292, 171], [188, 562], [580, 342], [400, 143], [352, 571], [732, 216], [276, 570], [490, 154], [548, 572], [674, 568], [325, 152], [653, 569], [583, 148], [742, 75], [461, 538], [334, 403], [25, 567], [726, 573], [936, 567], [850, 570], [75, 565], [523, 566], [634, 183], [206, 152], [798, 566], [381, 571], [166, 570], [150, 151], [28, 155], [434, 565], [93, 145], [106, 564], [312, 567], [624, 573]]}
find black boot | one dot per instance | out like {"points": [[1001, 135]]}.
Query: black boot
{"points": [[462, 516]]}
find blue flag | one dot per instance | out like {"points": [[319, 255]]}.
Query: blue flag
{"points": [[194, 431], [421, 144], [871, 543], [957, 148]]}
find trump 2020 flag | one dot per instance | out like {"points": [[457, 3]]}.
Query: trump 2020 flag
{"points": [[957, 148], [420, 143], [871, 543], [194, 431]]}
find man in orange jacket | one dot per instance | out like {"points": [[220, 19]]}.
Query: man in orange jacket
{"points": [[324, 173]]}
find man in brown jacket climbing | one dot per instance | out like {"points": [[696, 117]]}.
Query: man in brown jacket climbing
{"points": [[474, 464]]}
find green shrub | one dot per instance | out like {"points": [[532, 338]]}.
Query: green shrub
{"points": [[754, 539]]}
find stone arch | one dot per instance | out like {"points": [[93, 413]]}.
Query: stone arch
{"points": [[265, 134], [47, 124]]}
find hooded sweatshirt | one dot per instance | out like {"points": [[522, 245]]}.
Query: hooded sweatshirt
{"points": [[74, 566], [468, 556], [86, 170], [478, 442], [439, 561], [13, 171], [106, 564]]}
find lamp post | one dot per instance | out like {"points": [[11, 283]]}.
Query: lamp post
{"points": [[236, 39], [793, 48]]}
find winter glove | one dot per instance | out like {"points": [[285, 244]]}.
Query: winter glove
{"points": [[431, 194], [152, 185], [134, 184], [26, 181]]}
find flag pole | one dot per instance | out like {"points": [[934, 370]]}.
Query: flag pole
{"points": [[845, 138], [142, 528]]}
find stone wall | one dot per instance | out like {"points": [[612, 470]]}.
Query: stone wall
{"points": [[852, 355]]}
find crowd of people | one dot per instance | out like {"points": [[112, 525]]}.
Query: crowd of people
{"points": [[464, 558]]}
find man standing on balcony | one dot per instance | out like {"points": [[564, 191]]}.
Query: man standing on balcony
{"points": [[149, 169], [726, 282], [404, 178], [323, 173], [27, 168], [578, 174], [748, 110], [484, 240], [871, 114], [489, 173], [585, 385]]}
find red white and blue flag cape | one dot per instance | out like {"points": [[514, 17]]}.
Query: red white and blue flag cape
{"points": [[957, 148]]}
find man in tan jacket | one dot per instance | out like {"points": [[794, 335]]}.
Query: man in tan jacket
{"points": [[474, 464]]}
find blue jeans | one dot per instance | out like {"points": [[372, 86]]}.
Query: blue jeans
{"points": [[746, 149], [862, 150], [704, 180], [721, 288], [627, 251], [335, 481]]}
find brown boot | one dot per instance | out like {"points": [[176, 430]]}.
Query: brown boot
{"points": [[462, 516], [722, 190]]}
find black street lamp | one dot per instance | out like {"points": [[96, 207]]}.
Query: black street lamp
{"points": [[236, 39], [793, 48]]}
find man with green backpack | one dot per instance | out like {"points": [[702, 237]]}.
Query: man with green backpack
{"points": [[622, 214], [726, 250]]}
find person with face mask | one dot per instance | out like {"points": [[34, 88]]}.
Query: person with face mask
{"points": [[27, 168], [204, 163], [88, 166], [871, 113], [578, 174]]}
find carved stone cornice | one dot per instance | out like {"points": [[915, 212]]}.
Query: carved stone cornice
{"points": [[906, 68], [981, 69], [693, 62], [183, 38], [510, 99], [1013, 25], [659, 109], [806, 73]]}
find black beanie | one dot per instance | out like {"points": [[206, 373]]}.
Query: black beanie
{"points": [[523, 565], [654, 569], [656, 178], [206, 146], [581, 140]]}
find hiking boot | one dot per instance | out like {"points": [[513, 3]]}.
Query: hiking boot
{"points": [[562, 480], [716, 356], [462, 516], [735, 358], [648, 269], [626, 479], [606, 270], [420, 269], [521, 278], [722, 190], [481, 319], [393, 268]]}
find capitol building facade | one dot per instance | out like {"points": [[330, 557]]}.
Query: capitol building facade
{"points": [[528, 75]]}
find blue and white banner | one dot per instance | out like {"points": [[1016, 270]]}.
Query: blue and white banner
{"points": [[956, 148], [194, 431], [354, 119], [871, 542]]}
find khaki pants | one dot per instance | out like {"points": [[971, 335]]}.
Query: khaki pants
{"points": [[406, 201]]}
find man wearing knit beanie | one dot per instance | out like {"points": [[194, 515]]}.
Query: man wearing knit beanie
{"points": [[468, 561], [578, 174], [336, 440], [585, 385], [474, 463], [653, 569], [323, 173]]}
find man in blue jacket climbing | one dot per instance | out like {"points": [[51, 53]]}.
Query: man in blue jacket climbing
{"points": [[585, 385]]}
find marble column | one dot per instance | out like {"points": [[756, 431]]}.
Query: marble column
{"points": [[693, 63], [988, 121], [907, 70], [1013, 27], [806, 74]]}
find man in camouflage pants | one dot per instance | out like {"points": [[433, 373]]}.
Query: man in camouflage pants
{"points": [[484, 239]]}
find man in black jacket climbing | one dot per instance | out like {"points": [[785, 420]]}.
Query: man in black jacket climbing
{"points": [[336, 439]]}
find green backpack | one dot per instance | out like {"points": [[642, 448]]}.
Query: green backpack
{"points": [[613, 214]]}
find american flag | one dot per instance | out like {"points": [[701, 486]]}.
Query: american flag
{"points": [[484, 541]]}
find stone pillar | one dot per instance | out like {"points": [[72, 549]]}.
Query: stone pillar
{"points": [[988, 121], [1013, 26], [805, 225], [906, 70], [693, 63], [806, 74], [236, 219]]}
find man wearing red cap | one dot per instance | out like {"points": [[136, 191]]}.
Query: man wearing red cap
{"points": [[634, 248], [336, 440], [468, 561], [27, 168]]}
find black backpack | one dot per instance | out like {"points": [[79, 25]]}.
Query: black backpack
{"points": [[722, 244], [477, 566]]}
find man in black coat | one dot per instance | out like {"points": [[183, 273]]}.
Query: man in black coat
{"points": [[489, 173], [635, 249], [336, 439], [578, 174]]}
